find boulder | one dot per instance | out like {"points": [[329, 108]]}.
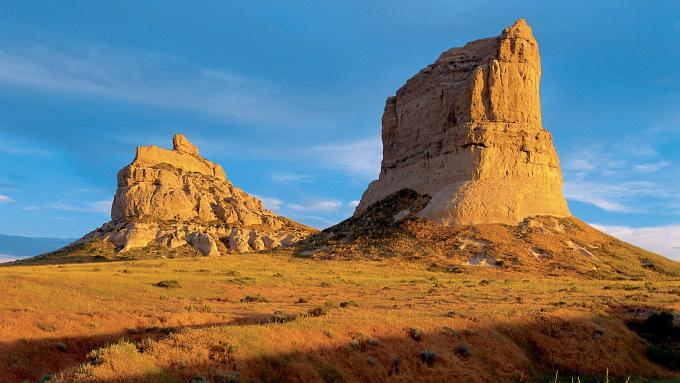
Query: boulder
{"points": [[203, 243], [238, 241]]}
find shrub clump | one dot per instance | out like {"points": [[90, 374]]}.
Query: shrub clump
{"points": [[198, 308], [449, 331], [281, 317], [228, 377], [254, 298], [317, 311], [168, 284], [415, 333], [330, 374], [361, 342], [47, 327], [463, 350], [241, 281], [428, 357]]}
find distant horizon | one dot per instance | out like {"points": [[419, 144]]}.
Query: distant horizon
{"points": [[289, 100]]}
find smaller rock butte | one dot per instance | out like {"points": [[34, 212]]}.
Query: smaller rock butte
{"points": [[467, 131], [176, 197]]}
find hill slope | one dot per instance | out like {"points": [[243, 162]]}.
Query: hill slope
{"points": [[543, 245], [279, 318]]}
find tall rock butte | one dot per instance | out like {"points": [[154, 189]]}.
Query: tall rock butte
{"points": [[467, 131], [177, 198]]}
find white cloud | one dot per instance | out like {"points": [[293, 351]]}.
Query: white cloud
{"points": [[58, 218], [5, 199], [612, 197], [317, 206], [353, 203], [651, 167], [100, 206], [22, 150], [581, 165], [151, 80], [664, 240], [626, 176], [103, 206], [596, 201], [291, 177], [361, 158]]}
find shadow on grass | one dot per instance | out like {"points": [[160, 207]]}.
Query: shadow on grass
{"points": [[31, 359], [518, 351]]}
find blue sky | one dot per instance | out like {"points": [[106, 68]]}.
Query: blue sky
{"points": [[288, 97]]}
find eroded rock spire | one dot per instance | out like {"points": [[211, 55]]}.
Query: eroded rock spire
{"points": [[175, 198], [467, 131]]}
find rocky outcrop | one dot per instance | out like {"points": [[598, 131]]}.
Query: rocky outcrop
{"points": [[176, 198], [467, 132]]}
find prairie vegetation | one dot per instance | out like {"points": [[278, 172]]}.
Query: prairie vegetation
{"points": [[275, 317]]}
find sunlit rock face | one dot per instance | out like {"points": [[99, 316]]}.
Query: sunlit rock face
{"points": [[181, 185], [177, 198], [467, 131]]}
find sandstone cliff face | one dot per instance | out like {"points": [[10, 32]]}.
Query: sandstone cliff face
{"points": [[177, 198], [467, 131]]}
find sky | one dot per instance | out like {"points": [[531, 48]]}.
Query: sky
{"points": [[288, 98]]}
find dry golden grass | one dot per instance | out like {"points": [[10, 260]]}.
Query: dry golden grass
{"points": [[311, 320]]}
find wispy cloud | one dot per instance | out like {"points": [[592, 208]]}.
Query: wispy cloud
{"points": [[316, 206], [353, 204], [103, 206], [5, 199], [59, 218], [291, 177], [155, 80], [318, 213], [651, 167], [664, 240], [19, 150], [361, 158], [322, 206], [20, 147], [613, 197], [623, 177]]}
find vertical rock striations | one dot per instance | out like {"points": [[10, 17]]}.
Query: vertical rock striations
{"points": [[176, 198], [467, 131]]}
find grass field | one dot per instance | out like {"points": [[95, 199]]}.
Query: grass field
{"points": [[274, 317]]}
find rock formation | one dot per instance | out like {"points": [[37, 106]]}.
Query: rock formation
{"points": [[177, 198], [467, 132]]}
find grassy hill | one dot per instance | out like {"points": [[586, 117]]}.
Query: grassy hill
{"points": [[277, 317], [542, 245]]}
